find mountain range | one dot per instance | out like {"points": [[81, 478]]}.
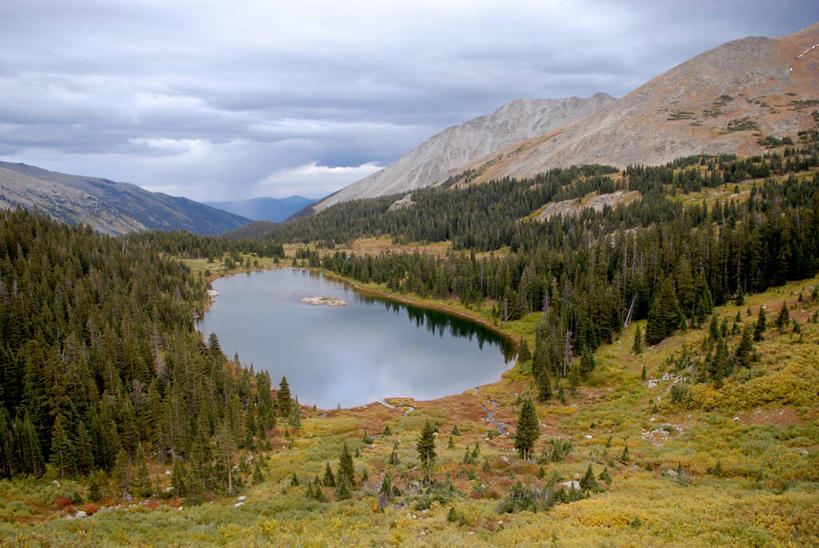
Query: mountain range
{"points": [[107, 206], [460, 144], [724, 101]]}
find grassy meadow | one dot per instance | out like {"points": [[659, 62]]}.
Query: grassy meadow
{"points": [[690, 466]]}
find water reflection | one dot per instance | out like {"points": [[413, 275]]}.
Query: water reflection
{"points": [[371, 349]]}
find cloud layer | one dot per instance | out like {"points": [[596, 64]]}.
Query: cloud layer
{"points": [[216, 100]]}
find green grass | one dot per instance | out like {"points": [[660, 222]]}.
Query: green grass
{"points": [[748, 453]]}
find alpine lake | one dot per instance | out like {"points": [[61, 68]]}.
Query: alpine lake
{"points": [[346, 348]]}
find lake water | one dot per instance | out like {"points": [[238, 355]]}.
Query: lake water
{"points": [[348, 355]]}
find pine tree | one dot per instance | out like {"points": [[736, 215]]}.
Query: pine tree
{"points": [[343, 489], [85, 450], [784, 318], [62, 450], [544, 385], [588, 483], [665, 315], [426, 448], [226, 448], [760, 327], [283, 401], [587, 363], [329, 480], [745, 349], [345, 474], [179, 478], [637, 345], [122, 474], [94, 488], [142, 482], [528, 430], [258, 477]]}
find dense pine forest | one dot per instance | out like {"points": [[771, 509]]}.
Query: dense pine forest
{"points": [[101, 367], [107, 387], [659, 257]]}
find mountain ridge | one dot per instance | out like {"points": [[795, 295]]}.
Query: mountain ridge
{"points": [[430, 161], [107, 206], [721, 101]]}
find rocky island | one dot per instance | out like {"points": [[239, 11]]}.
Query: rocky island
{"points": [[323, 301]]}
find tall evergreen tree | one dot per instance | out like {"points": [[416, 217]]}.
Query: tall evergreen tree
{"points": [[528, 430], [283, 398], [345, 473], [329, 480], [665, 314], [426, 448], [745, 349], [759, 329], [62, 449], [637, 345]]}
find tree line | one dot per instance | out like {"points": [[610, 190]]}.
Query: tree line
{"points": [[101, 366]]}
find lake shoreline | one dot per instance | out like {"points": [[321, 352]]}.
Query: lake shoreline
{"points": [[407, 300], [419, 303]]}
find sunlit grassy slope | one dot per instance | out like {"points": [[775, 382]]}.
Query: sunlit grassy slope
{"points": [[735, 465]]}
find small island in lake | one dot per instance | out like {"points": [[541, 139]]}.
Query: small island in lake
{"points": [[323, 301]]}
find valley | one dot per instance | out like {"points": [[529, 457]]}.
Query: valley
{"points": [[588, 321]]}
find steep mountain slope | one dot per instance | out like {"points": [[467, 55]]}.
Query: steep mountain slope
{"points": [[109, 207], [457, 145], [274, 210], [722, 101]]}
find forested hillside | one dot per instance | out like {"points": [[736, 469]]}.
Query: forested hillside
{"points": [[657, 258], [102, 369]]}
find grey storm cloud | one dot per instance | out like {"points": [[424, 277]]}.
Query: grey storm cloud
{"points": [[220, 100]]}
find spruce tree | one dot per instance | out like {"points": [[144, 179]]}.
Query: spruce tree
{"points": [[665, 315], [528, 430], [587, 363], [283, 401], [226, 448], [544, 385], [94, 488], [637, 345], [760, 327], [346, 473], [588, 483], [142, 482], [745, 349], [343, 489], [329, 480], [62, 450], [426, 448], [784, 318]]}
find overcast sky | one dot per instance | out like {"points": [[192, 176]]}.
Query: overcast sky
{"points": [[237, 99]]}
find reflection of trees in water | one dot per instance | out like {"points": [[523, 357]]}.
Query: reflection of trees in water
{"points": [[440, 322]]}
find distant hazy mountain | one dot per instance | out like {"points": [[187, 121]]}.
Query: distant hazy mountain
{"points": [[434, 158], [109, 207], [265, 209], [723, 101]]}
